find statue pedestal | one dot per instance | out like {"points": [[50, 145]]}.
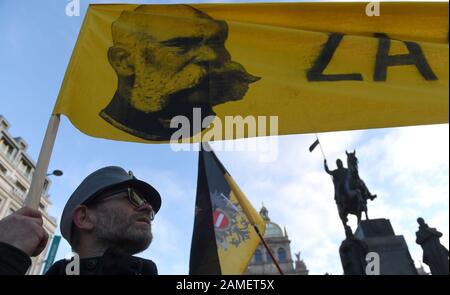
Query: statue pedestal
{"points": [[377, 236]]}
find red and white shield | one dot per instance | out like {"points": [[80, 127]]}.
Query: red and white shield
{"points": [[220, 219]]}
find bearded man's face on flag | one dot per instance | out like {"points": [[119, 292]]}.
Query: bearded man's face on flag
{"points": [[167, 65]]}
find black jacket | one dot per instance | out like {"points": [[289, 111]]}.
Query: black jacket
{"points": [[13, 261], [113, 262]]}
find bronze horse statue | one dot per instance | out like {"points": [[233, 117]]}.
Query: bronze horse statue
{"points": [[351, 193], [352, 164], [356, 186]]}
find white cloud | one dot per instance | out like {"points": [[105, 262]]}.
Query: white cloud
{"points": [[406, 167]]}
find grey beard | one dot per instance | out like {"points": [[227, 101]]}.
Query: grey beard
{"points": [[114, 230]]}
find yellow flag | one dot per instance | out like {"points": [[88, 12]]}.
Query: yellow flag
{"points": [[138, 70], [224, 237]]}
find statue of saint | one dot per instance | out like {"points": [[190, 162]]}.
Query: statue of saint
{"points": [[353, 253], [339, 178], [350, 191], [435, 255]]}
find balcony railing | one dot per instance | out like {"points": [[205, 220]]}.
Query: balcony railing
{"points": [[18, 193], [12, 160], [7, 156]]}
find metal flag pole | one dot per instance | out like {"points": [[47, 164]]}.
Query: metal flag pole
{"points": [[37, 183], [268, 249], [321, 149], [320, 145]]}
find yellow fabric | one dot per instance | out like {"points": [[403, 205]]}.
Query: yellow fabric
{"points": [[277, 44], [234, 260]]}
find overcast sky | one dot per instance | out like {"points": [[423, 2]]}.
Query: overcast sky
{"points": [[408, 168]]}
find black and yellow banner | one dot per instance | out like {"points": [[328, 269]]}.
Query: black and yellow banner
{"points": [[318, 67], [224, 239]]}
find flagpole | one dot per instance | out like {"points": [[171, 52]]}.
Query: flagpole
{"points": [[320, 145], [238, 194], [268, 249], [37, 183]]}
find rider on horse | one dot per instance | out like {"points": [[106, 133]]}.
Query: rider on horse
{"points": [[350, 192], [339, 177]]}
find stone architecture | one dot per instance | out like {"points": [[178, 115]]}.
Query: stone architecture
{"points": [[376, 238], [278, 240], [16, 171]]}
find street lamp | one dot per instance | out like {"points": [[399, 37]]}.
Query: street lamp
{"points": [[56, 173]]}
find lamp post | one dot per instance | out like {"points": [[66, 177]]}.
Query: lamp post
{"points": [[55, 173]]}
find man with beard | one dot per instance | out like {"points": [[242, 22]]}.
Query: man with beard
{"points": [[168, 60], [106, 220]]}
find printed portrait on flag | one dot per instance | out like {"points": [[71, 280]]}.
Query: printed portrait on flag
{"points": [[169, 60], [316, 67]]}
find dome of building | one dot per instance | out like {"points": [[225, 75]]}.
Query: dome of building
{"points": [[273, 230]]}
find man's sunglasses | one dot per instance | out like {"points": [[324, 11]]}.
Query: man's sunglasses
{"points": [[133, 197]]}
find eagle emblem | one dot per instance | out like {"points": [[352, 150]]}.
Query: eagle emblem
{"points": [[231, 226]]}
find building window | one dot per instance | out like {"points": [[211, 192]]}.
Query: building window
{"points": [[3, 170], [269, 258], [281, 255], [25, 168], [21, 187], [45, 185], [6, 147], [258, 257]]}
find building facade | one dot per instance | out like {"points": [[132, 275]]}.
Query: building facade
{"points": [[16, 171], [279, 243]]}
